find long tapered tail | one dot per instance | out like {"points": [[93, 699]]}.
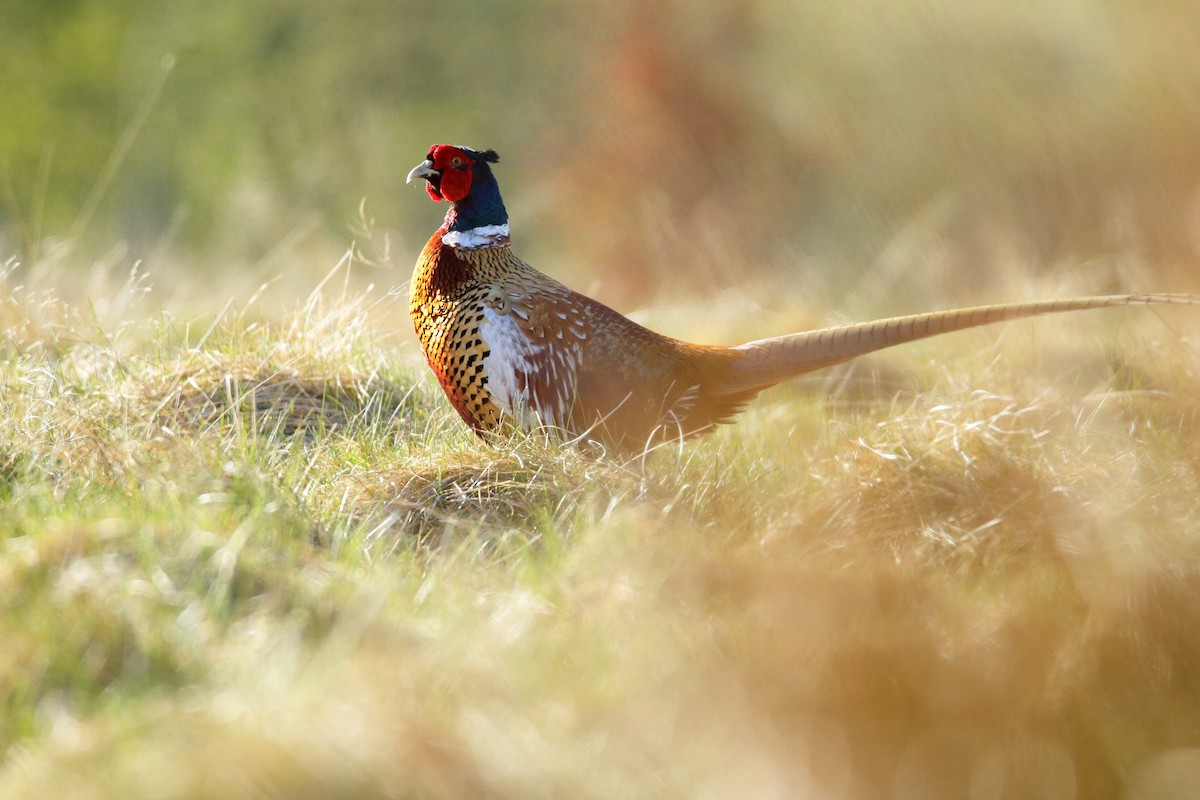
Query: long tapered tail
{"points": [[768, 361]]}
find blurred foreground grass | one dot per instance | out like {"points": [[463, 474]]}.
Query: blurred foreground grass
{"points": [[254, 559]]}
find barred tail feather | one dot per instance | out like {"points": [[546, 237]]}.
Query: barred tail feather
{"points": [[768, 361]]}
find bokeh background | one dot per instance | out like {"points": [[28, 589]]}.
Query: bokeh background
{"points": [[720, 141]]}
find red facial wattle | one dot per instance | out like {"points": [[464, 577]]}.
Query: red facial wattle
{"points": [[456, 182], [453, 168]]}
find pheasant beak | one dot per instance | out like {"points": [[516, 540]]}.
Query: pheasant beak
{"points": [[423, 170]]}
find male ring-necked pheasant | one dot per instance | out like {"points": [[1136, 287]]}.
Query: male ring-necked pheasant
{"points": [[510, 343]]}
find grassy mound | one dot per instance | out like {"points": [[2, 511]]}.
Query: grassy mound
{"points": [[254, 560]]}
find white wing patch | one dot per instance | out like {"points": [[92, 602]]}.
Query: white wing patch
{"points": [[510, 358], [530, 381]]}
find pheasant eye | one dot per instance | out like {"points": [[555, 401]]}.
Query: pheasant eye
{"points": [[456, 161]]}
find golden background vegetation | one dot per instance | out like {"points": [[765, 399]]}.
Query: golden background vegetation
{"points": [[640, 141]]}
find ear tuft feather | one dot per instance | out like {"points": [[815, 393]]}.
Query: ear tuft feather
{"points": [[490, 156]]}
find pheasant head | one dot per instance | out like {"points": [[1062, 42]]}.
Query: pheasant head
{"points": [[461, 176]]}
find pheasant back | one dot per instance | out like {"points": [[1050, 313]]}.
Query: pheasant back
{"points": [[509, 344]]}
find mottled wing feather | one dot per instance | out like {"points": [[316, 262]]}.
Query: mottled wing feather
{"points": [[535, 343]]}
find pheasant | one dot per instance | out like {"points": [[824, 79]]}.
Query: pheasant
{"points": [[509, 344]]}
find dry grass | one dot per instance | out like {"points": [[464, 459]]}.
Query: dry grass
{"points": [[258, 560]]}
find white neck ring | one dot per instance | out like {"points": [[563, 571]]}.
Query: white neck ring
{"points": [[483, 236]]}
